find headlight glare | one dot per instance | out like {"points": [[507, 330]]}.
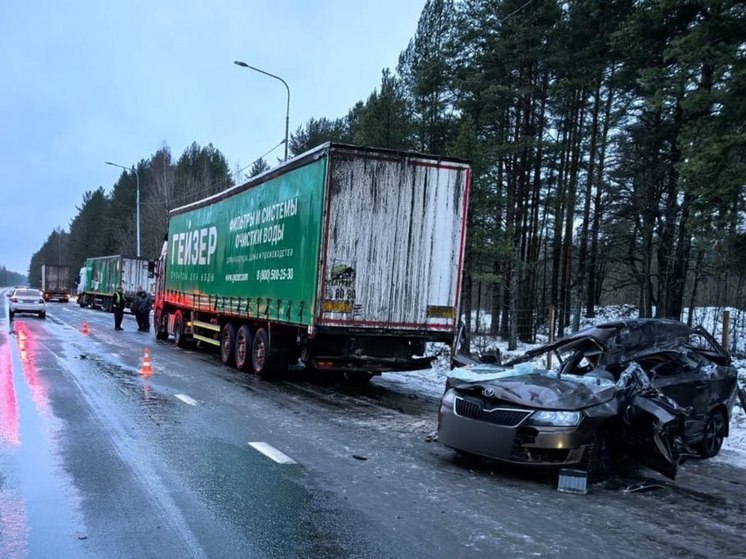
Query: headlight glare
{"points": [[554, 418]]}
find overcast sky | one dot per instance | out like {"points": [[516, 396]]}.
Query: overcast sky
{"points": [[85, 82]]}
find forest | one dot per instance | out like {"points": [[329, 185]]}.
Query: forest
{"points": [[607, 140]]}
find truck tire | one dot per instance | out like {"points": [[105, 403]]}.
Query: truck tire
{"points": [[243, 348], [261, 362], [179, 340], [227, 343], [260, 353], [265, 363]]}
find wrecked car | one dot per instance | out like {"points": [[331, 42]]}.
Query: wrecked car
{"points": [[653, 390]]}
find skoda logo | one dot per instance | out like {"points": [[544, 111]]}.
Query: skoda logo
{"points": [[489, 392]]}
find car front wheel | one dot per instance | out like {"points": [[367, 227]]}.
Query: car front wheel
{"points": [[599, 461], [713, 436]]}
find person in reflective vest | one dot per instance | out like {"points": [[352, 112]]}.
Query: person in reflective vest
{"points": [[118, 308]]}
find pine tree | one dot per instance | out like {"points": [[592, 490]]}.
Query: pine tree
{"points": [[384, 121], [316, 132], [259, 166], [426, 71]]}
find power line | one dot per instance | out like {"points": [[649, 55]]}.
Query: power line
{"points": [[514, 12]]}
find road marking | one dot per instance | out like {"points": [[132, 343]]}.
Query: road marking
{"points": [[186, 399], [271, 452]]}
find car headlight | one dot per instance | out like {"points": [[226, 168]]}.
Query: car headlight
{"points": [[554, 418], [448, 398]]}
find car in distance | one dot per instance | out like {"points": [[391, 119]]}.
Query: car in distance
{"points": [[654, 390], [30, 301]]}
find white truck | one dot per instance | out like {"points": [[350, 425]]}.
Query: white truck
{"points": [[55, 282]]}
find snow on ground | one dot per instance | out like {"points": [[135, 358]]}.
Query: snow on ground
{"points": [[734, 447], [431, 382]]}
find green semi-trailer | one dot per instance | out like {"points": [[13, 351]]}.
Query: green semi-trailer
{"points": [[343, 258], [100, 277]]}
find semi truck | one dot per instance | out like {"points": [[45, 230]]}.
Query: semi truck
{"points": [[344, 258], [55, 282], [100, 277]]}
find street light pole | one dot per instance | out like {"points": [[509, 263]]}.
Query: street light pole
{"points": [[137, 214], [287, 87]]}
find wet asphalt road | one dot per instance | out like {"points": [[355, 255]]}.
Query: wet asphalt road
{"points": [[98, 460]]}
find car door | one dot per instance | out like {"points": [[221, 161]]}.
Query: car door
{"points": [[682, 376], [653, 432], [718, 370], [653, 422]]}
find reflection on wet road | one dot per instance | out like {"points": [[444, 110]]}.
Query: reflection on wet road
{"points": [[34, 488], [97, 460]]}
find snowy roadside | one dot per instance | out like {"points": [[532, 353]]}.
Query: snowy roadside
{"points": [[734, 447]]}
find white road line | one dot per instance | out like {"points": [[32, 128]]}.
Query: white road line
{"points": [[271, 452], [187, 399]]}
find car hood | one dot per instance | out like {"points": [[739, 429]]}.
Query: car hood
{"points": [[540, 389]]}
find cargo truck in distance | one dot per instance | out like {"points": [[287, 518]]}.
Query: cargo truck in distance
{"points": [[55, 282], [99, 278], [343, 258]]}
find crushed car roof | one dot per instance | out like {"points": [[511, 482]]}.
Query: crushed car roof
{"points": [[621, 339]]}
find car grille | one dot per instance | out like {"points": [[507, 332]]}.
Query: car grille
{"points": [[543, 455], [474, 409]]}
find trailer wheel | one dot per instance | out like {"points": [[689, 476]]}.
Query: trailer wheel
{"points": [[243, 348], [179, 340], [227, 343], [264, 362], [260, 354]]}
